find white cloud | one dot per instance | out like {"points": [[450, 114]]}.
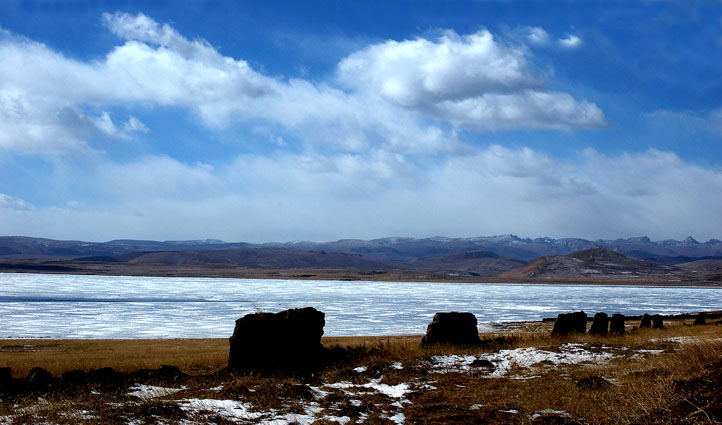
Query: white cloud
{"points": [[537, 109], [15, 204], [134, 125], [419, 72], [473, 81], [571, 41], [47, 100], [489, 191], [537, 35]]}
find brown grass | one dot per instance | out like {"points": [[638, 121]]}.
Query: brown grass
{"points": [[645, 386], [193, 356]]}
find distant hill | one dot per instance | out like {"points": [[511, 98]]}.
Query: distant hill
{"points": [[593, 262], [264, 258], [706, 269], [482, 263], [483, 256]]}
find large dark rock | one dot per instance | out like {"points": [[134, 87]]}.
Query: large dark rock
{"points": [[288, 341], [600, 325], [657, 322], [567, 323], [6, 374], [105, 375], [73, 378], [457, 328], [701, 319], [646, 321], [39, 377], [616, 324]]}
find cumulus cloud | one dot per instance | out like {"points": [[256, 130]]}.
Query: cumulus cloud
{"points": [[471, 80], [388, 92], [571, 41]]}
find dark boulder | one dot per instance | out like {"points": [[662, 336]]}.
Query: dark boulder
{"points": [[483, 363], [73, 378], [616, 324], [657, 322], [288, 341], [5, 374], [701, 319], [105, 375], [600, 325], [646, 321], [456, 328], [567, 323], [39, 377], [166, 375]]}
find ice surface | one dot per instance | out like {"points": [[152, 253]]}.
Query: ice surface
{"points": [[67, 306]]}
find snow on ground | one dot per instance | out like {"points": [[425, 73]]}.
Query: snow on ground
{"points": [[504, 360], [147, 392], [549, 412], [226, 409]]}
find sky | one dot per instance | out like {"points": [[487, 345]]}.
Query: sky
{"points": [[278, 121]]}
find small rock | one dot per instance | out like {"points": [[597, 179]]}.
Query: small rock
{"points": [[596, 383], [701, 319], [483, 363]]}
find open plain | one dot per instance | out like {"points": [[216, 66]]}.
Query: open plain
{"points": [[523, 375]]}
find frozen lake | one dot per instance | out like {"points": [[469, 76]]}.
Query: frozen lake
{"points": [[68, 306]]}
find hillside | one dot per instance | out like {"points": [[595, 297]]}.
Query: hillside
{"points": [[595, 262], [264, 258], [481, 263]]}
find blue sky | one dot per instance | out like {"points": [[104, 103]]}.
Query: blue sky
{"points": [[277, 121]]}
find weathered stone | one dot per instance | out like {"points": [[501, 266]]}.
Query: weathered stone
{"points": [[646, 321], [567, 323], [657, 322], [483, 363], [73, 378], [5, 374], [39, 377], [289, 340], [701, 319], [457, 328], [105, 375], [616, 324], [600, 325]]}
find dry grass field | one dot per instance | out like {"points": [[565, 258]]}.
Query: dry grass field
{"points": [[647, 376]]}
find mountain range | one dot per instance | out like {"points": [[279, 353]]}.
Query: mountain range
{"points": [[506, 256]]}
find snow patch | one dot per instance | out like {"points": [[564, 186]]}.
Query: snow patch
{"points": [[393, 391], [226, 409], [147, 392]]}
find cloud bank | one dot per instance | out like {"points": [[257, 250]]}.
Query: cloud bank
{"points": [[399, 94], [378, 149]]}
